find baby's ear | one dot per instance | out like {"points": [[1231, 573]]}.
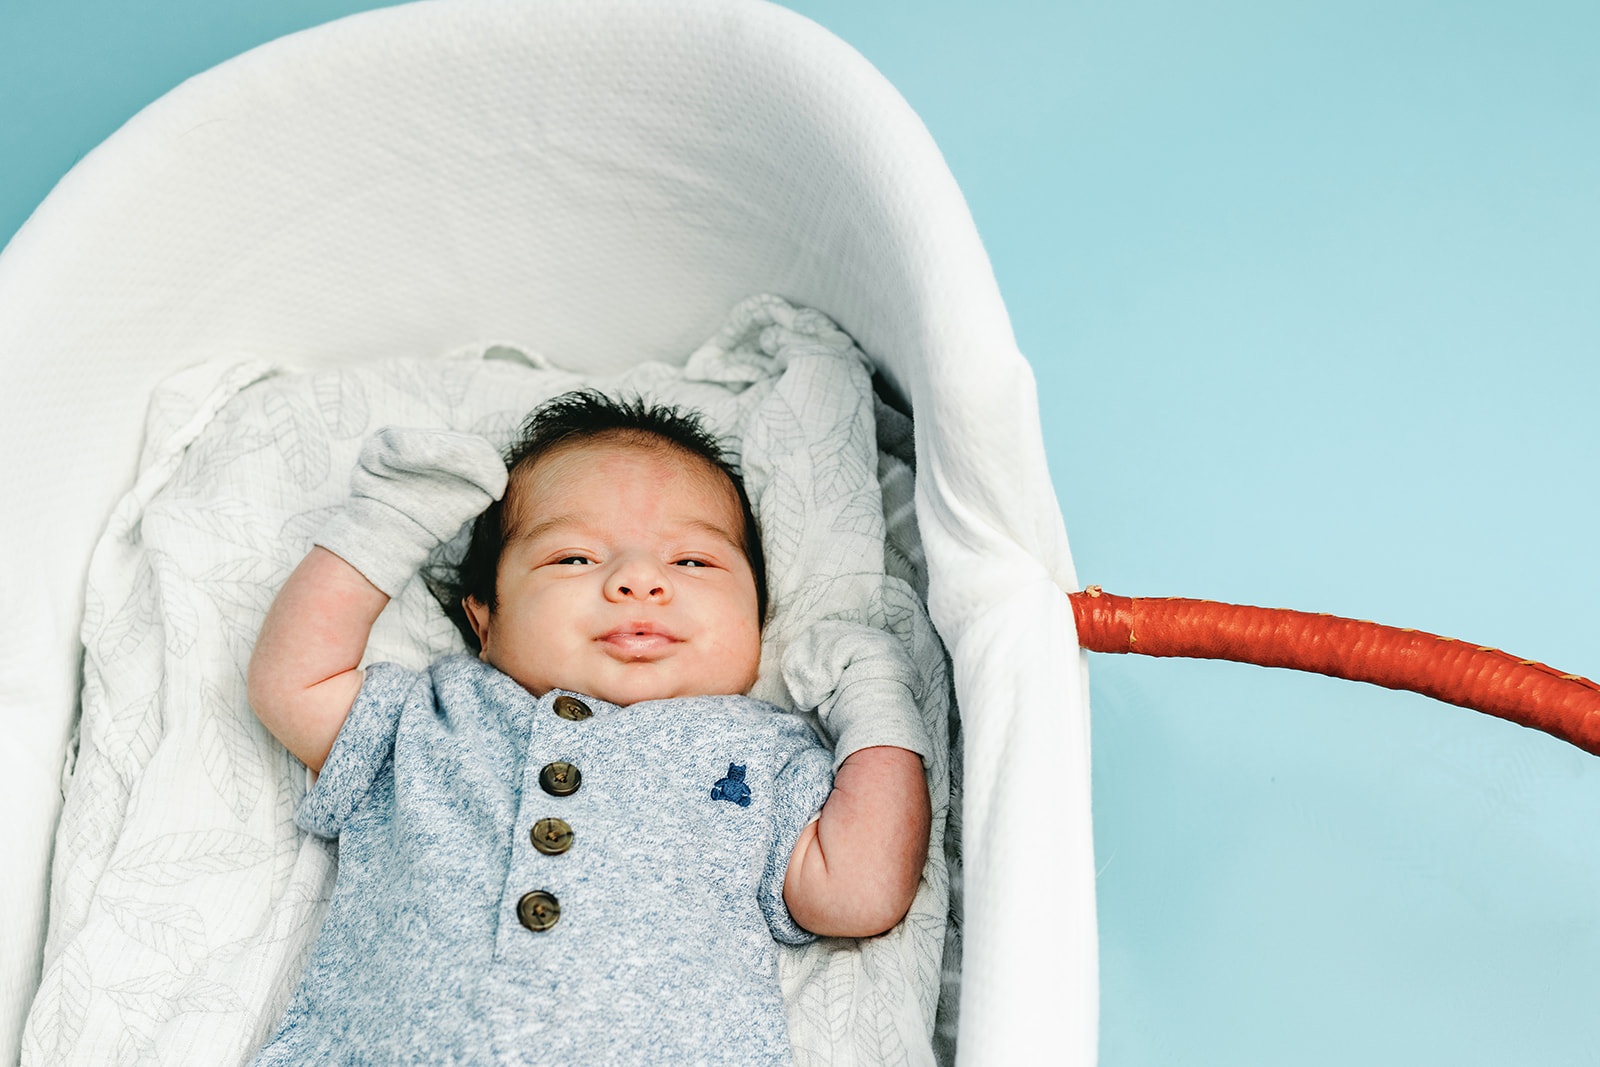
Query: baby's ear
{"points": [[479, 615]]}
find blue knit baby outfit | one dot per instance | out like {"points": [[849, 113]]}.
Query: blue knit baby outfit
{"points": [[660, 906]]}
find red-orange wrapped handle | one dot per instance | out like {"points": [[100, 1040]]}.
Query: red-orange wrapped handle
{"points": [[1456, 672]]}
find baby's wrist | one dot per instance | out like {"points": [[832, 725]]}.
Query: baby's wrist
{"points": [[882, 756], [890, 766], [875, 713], [373, 548]]}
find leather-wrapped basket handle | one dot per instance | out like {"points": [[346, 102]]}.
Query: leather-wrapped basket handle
{"points": [[1472, 676]]}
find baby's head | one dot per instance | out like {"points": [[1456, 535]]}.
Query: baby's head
{"points": [[623, 562]]}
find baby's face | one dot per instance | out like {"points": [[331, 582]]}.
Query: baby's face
{"points": [[623, 578]]}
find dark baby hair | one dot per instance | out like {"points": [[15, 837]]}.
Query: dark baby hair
{"points": [[573, 417]]}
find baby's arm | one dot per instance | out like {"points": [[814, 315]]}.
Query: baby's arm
{"points": [[304, 672], [410, 490], [854, 870]]}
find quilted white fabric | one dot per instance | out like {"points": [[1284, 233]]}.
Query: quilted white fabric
{"points": [[601, 180], [184, 900]]}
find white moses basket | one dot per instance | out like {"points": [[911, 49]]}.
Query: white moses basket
{"points": [[602, 180]]}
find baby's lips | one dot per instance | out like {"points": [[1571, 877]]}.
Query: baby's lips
{"points": [[633, 644]]}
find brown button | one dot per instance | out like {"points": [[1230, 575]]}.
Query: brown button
{"points": [[560, 779], [572, 708], [539, 910], [552, 836]]}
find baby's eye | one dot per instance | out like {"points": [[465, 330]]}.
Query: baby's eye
{"points": [[691, 563], [574, 559]]}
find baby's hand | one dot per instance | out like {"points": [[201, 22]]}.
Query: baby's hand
{"points": [[855, 870], [410, 491], [863, 686]]}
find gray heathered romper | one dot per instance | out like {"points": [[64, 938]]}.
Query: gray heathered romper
{"points": [[670, 895]]}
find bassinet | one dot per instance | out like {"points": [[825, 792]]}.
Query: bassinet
{"points": [[603, 179]]}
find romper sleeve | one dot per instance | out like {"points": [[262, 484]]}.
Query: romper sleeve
{"points": [[799, 791], [365, 743]]}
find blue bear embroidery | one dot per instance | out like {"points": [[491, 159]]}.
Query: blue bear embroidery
{"points": [[732, 787]]}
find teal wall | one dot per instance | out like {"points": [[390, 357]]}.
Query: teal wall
{"points": [[1312, 290]]}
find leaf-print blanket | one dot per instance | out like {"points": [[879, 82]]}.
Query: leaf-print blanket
{"points": [[183, 897]]}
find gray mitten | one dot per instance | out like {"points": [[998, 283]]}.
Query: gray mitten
{"points": [[862, 685], [410, 491]]}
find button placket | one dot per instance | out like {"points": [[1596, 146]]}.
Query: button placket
{"points": [[540, 909]]}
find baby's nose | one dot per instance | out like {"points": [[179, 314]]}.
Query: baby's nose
{"points": [[642, 590], [640, 580]]}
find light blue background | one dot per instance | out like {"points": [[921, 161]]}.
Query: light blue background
{"points": [[1312, 291]]}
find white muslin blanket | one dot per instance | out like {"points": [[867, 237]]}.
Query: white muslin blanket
{"points": [[184, 899]]}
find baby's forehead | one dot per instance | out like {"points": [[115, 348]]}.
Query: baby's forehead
{"points": [[537, 482]]}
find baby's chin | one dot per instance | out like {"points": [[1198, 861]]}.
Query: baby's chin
{"points": [[725, 670], [640, 686]]}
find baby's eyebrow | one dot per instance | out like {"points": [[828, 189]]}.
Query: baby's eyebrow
{"points": [[558, 522], [715, 530], [539, 529]]}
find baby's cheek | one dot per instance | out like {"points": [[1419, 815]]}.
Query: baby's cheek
{"points": [[745, 655]]}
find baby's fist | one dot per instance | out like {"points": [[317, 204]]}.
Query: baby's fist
{"points": [[411, 490]]}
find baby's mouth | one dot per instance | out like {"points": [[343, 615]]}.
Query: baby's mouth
{"points": [[637, 642]]}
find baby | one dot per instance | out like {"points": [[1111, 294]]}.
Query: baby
{"points": [[586, 839]]}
